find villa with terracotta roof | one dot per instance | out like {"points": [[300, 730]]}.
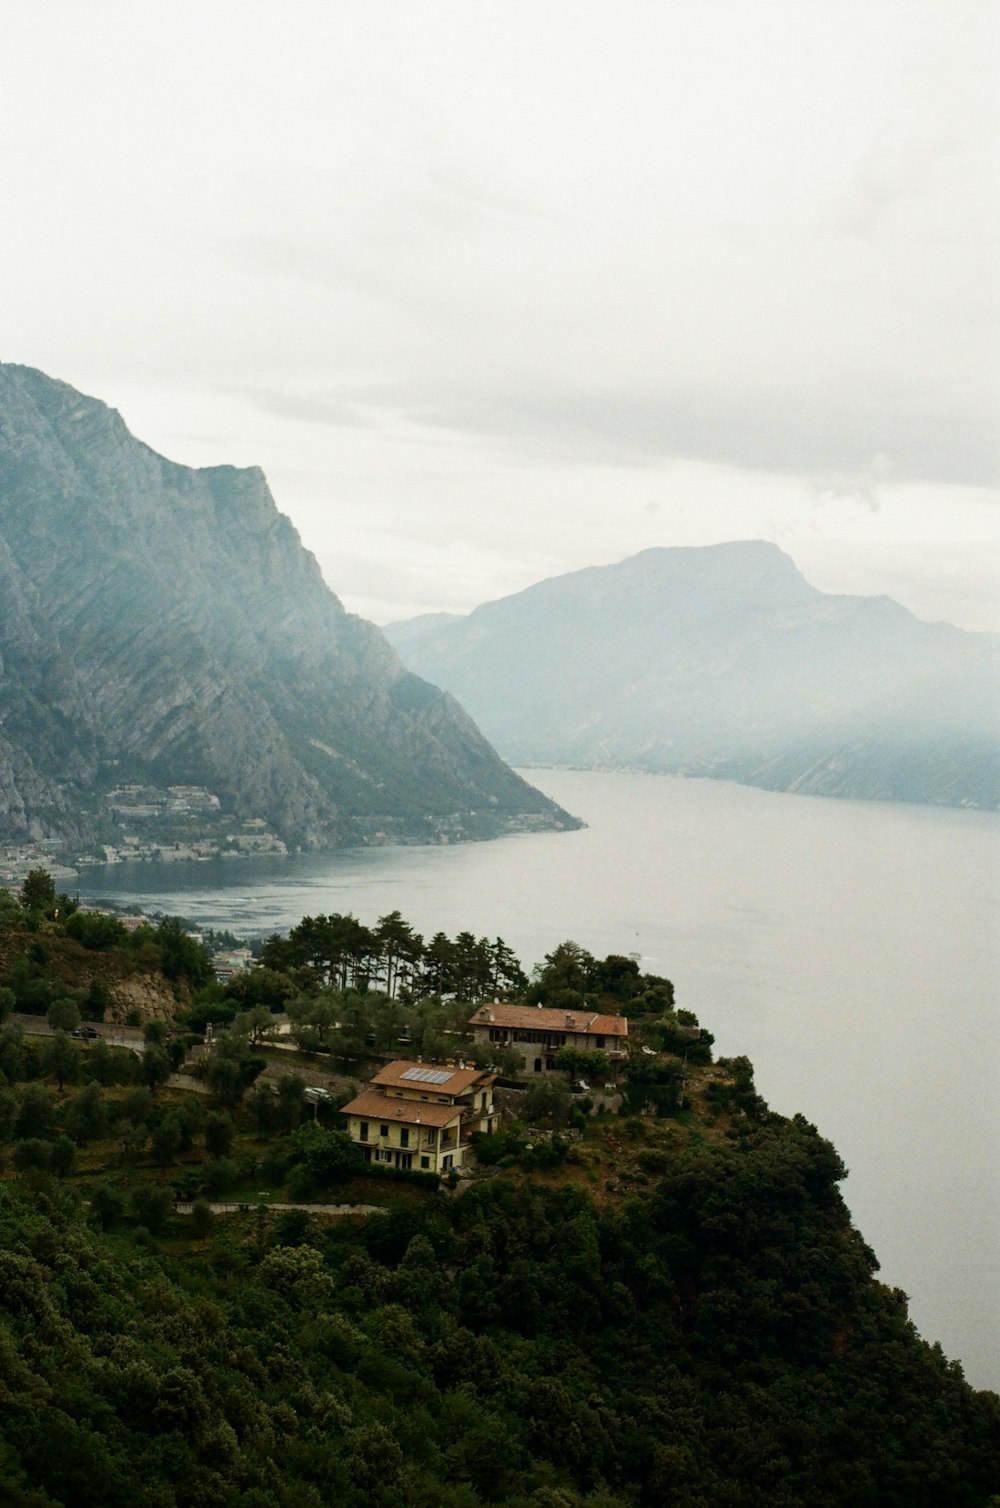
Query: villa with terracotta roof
{"points": [[537, 1033], [422, 1116]]}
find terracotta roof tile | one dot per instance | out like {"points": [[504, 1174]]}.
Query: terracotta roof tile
{"points": [[371, 1105], [403, 1074], [542, 1018]]}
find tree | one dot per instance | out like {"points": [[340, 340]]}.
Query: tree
{"points": [[166, 1140], [293, 1228], [509, 1062], [86, 1116], [314, 1018], [260, 986], [652, 1083], [12, 1052], [564, 978], [618, 977], [581, 1064], [107, 1205], [183, 957], [96, 931], [202, 1219], [507, 978], [263, 1108], [152, 1207], [62, 1156], [61, 1059], [220, 1175], [38, 891], [156, 1067], [45, 1156], [230, 1069], [98, 999], [291, 1100], [399, 949], [218, 1135], [108, 1066], [33, 1153], [472, 965], [190, 1117], [255, 1024], [8, 1113], [438, 974], [63, 1015], [36, 1114], [548, 1099], [132, 1136], [8, 1002], [330, 1156]]}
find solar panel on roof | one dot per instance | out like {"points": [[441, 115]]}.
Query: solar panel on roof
{"points": [[427, 1075]]}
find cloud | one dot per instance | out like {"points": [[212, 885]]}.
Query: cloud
{"points": [[835, 434], [307, 408], [477, 292]]}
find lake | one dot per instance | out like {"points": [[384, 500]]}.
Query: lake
{"points": [[850, 949]]}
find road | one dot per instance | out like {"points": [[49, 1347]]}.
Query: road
{"points": [[334, 1211]]}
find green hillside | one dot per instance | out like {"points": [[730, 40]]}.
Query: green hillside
{"points": [[662, 1302]]}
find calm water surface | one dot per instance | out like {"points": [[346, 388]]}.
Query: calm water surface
{"points": [[850, 949]]}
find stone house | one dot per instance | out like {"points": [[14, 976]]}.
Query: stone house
{"points": [[537, 1032]]}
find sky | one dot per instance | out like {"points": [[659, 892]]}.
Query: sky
{"points": [[495, 291]]}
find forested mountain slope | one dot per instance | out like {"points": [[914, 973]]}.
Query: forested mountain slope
{"points": [[724, 661], [663, 1306], [164, 626]]}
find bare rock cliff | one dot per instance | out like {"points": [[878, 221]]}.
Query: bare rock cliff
{"points": [[165, 625]]}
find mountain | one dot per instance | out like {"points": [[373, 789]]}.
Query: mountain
{"points": [[164, 627], [724, 661]]}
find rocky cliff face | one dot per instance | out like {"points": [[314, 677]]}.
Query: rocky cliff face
{"points": [[164, 625], [724, 661]]}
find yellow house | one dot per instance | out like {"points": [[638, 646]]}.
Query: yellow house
{"points": [[422, 1116]]}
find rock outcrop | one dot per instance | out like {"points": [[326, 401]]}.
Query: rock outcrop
{"points": [[164, 626]]}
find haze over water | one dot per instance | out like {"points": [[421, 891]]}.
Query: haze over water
{"points": [[850, 949]]}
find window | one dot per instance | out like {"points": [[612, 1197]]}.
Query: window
{"points": [[600, 1043], [425, 1162], [364, 1130], [538, 1065], [383, 1130], [404, 1136]]}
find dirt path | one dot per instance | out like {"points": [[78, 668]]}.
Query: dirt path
{"points": [[334, 1211]]}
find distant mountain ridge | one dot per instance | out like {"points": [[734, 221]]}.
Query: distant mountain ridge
{"points": [[724, 661], [165, 625]]}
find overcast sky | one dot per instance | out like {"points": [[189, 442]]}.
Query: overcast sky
{"points": [[494, 291]]}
